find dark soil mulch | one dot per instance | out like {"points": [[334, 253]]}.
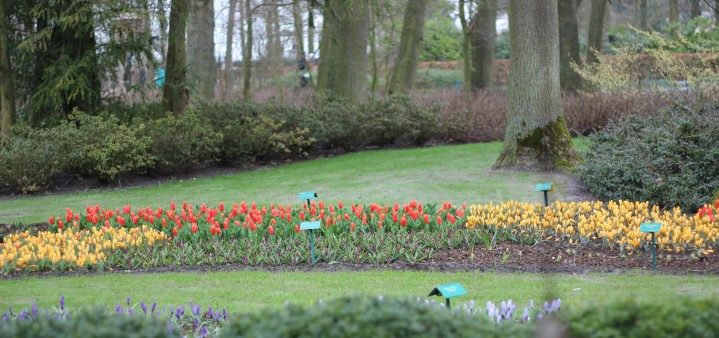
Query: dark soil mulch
{"points": [[546, 257]]}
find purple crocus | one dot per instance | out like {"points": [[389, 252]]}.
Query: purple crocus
{"points": [[209, 313], [525, 315], [62, 302], [203, 331], [224, 314], [196, 310], [180, 311], [118, 309], [34, 310], [144, 307], [152, 308], [22, 315]]}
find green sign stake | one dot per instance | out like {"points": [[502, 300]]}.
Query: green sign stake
{"points": [[311, 227], [448, 291], [652, 228], [544, 188]]}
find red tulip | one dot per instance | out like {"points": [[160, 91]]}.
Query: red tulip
{"points": [[352, 226], [403, 221], [271, 230], [60, 224], [51, 220], [193, 228], [426, 218], [342, 205]]}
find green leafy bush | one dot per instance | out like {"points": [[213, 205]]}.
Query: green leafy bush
{"points": [[630, 319], [182, 144], [105, 149], [30, 157], [668, 159], [88, 323], [250, 133], [369, 317]]}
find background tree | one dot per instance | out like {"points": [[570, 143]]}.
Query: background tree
{"points": [[568, 46], [483, 32], [642, 14], [7, 94], [696, 9], [673, 10], [402, 76], [595, 32], [201, 70], [175, 93], [247, 52], [228, 49], [536, 136], [343, 50], [466, 48]]}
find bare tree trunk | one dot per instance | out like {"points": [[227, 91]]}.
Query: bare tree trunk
{"points": [[299, 29], [696, 8], [536, 135], [7, 94], [202, 69], [483, 30], [162, 19], [466, 51], [228, 49], [374, 18], [643, 14], [343, 50], [247, 53], [175, 94], [402, 76], [568, 46], [716, 11], [311, 32], [596, 30], [673, 10]]}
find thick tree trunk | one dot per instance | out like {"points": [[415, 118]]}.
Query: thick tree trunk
{"points": [[466, 48], [483, 30], [568, 46], [201, 68], [716, 11], [673, 10], [402, 76], [228, 49], [7, 94], [162, 19], [596, 30], [175, 94], [310, 32], [696, 8], [373, 48], [299, 29], [643, 14], [343, 49], [536, 135], [247, 53]]}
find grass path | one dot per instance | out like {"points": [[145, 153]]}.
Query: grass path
{"points": [[245, 291], [456, 173]]}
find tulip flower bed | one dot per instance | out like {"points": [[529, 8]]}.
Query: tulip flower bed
{"points": [[183, 235], [615, 223]]}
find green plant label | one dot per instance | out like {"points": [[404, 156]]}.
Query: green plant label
{"points": [[307, 195], [310, 225], [543, 187], [650, 227], [450, 290]]}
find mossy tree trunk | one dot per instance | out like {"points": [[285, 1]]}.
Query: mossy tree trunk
{"points": [[569, 79], [228, 49], [247, 53], [466, 48], [175, 94], [343, 50], [310, 31], [716, 11], [696, 8], [643, 14], [7, 94], [374, 68], [483, 32], [673, 10], [536, 137], [299, 29], [403, 72], [596, 30], [201, 69]]}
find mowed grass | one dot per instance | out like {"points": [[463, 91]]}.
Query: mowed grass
{"points": [[246, 291], [455, 173]]}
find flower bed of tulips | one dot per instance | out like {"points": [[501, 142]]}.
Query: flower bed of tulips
{"points": [[614, 223], [269, 235]]}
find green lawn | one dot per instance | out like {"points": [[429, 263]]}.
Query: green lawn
{"points": [[457, 173], [246, 291]]}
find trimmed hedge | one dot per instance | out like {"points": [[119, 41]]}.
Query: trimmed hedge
{"points": [[669, 159]]}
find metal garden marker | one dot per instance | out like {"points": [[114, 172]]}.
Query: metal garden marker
{"points": [[545, 188], [652, 228], [448, 291], [310, 226]]}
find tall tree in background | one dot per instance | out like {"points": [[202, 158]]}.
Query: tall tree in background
{"points": [[483, 32], [466, 48], [374, 67], [716, 11], [595, 32], [7, 94], [228, 49], [311, 30], [696, 8], [536, 135], [247, 52], [403, 72], [201, 69], [343, 49], [299, 28], [642, 14], [673, 10], [568, 46], [175, 95]]}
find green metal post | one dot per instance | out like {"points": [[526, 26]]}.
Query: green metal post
{"points": [[546, 200], [446, 302], [654, 253], [312, 247]]}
